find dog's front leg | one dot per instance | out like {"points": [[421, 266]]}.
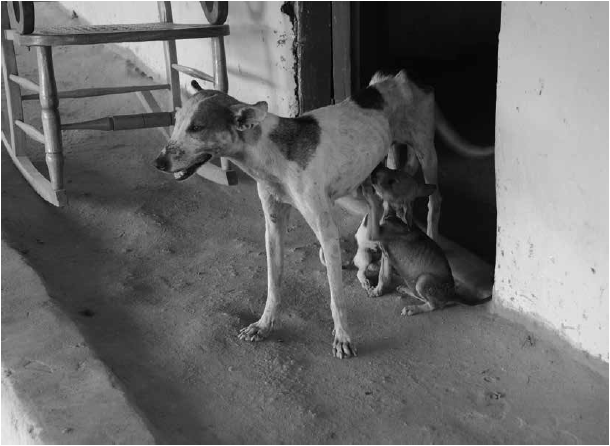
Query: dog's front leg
{"points": [[318, 216], [276, 219], [385, 276]]}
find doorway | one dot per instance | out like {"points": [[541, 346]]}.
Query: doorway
{"points": [[452, 46]]}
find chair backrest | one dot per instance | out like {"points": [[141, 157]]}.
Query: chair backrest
{"points": [[21, 16], [215, 12]]}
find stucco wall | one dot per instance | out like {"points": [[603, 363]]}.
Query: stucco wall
{"points": [[552, 167], [259, 49]]}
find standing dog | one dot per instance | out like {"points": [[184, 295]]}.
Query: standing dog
{"points": [[414, 117], [420, 262], [306, 162]]}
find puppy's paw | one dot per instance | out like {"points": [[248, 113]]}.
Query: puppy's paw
{"points": [[410, 310], [373, 268], [343, 348], [403, 290], [375, 292], [364, 282], [254, 332]]}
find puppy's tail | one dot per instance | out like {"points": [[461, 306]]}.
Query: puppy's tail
{"points": [[456, 142], [469, 300]]}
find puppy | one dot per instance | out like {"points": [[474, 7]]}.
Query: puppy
{"points": [[419, 261]]}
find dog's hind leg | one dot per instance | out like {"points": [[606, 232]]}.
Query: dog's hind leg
{"points": [[276, 219], [429, 163], [432, 291], [396, 156], [412, 310], [402, 157], [412, 164], [317, 213]]}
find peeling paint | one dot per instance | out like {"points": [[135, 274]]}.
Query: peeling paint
{"points": [[288, 8]]}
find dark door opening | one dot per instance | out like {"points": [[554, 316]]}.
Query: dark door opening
{"points": [[453, 46]]}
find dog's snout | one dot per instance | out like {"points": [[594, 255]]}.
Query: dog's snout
{"points": [[161, 163]]}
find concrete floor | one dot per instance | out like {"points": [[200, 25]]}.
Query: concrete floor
{"points": [[160, 276], [55, 390]]}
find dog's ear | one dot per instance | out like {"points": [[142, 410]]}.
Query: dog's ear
{"points": [[196, 85], [248, 116], [425, 190], [401, 76]]}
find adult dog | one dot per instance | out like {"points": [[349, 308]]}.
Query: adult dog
{"points": [[414, 116], [306, 162]]}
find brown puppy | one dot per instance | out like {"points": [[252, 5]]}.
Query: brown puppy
{"points": [[419, 261]]}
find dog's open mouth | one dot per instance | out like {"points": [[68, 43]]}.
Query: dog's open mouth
{"points": [[183, 174]]}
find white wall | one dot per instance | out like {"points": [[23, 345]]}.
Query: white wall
{"points": [[259, 49], [552, 167]]}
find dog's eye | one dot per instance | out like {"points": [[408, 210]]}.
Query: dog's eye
{"points": [[195, 128], [391, 182]]}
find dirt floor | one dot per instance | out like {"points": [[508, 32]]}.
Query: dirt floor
{"points": [[160, 276]]}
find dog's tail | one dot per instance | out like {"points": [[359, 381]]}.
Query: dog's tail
{"points": [[456, 142], [469, 300]]}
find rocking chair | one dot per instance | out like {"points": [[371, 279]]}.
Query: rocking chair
{"points": [[18, 29]]}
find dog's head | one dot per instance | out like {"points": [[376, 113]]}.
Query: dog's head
{"points": [[399, 189], [209, 124]]}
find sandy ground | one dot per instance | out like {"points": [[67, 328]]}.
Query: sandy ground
{"points": [[160, 276]]}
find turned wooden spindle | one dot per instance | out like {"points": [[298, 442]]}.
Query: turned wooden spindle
{"points": [[221, 82], [171, 56], [51, 123]]}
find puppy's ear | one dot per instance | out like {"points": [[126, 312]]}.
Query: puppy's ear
{"points": [[401, 76], [425, 190], [196, 85], [248, 116]]}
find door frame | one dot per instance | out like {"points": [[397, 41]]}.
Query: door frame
{"points": [[324, 52]]}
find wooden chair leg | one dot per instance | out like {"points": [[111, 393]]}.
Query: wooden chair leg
{"points": [[14, 109], [221, 81], [51, 123], [171, 57], [14, 140]]}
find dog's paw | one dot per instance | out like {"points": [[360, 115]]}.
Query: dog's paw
{"points": [[373, 268], [343, 348], [376, 292], [409, 311], [403, 290], [365, 284], [254, 332]]}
